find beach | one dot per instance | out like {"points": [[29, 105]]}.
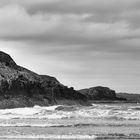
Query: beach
{"points": [[99, 121]]}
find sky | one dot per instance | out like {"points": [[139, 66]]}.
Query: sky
{"points": [[83, 43]]}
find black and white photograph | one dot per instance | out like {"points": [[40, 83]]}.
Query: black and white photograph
{"points": [[69, 69]]}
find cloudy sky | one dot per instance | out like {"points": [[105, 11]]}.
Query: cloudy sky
{"points": [[84, 43]]}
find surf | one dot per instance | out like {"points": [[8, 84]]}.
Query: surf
{"points": [[97, 111]]}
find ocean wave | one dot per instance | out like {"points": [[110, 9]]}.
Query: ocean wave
{"points": [[118, 136], [75, 136], [34, 125], [48, 137], [46, 125], [97, 111]]}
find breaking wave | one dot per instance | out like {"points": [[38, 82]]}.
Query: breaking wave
{"points": [[99, 111], [49, 137], [46, 125], [75, 136]]}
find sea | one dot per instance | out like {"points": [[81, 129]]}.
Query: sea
{"points": [[101, 121]]}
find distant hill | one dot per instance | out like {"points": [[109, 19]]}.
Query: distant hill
{"points": [[20, 87], [100, 93], [129, 97]]}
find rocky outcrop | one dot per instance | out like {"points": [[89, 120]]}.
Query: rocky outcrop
{"points": [[7, 60], [100, 93], [130, 97], [20, 87]]}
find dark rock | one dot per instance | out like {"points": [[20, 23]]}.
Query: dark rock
{"points": [[7, 60], [66, 108], [100, 93], [130, 97], [20, 87]]}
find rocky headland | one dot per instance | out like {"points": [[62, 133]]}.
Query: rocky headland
{"points": [[130, 97], [20, 87], [100, 93]]}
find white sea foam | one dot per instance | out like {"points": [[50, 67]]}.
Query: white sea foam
{"points": [[29, 112], [50, 108], [33, 125], [48, 137], [96, 111]]}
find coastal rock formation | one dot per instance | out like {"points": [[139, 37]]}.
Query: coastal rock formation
{"points": [[100, 93], [20, 87], [130, 97]]}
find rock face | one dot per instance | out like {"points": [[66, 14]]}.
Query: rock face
{"points": [[20, 87], [100, 93]]}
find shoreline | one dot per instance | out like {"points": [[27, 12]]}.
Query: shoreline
{"points": [[109, 101], [20, 103]]}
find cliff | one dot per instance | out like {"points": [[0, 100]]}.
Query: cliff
{"points": [[100, 93], [20, 87]]}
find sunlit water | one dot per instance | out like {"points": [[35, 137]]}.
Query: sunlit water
{"points": [[99, 121]]}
